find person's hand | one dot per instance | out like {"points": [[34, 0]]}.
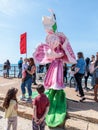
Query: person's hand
{"points": [[49, 53], [25, 69], [74, 73], [37, 121], [41, 120], [96, 67]]}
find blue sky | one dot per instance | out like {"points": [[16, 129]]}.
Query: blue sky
{"points": [[77, 19]]}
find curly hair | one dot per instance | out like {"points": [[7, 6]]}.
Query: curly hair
{"points": [[11, 94]]}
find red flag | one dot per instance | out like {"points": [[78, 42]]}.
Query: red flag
{"points": [[23, 43]]}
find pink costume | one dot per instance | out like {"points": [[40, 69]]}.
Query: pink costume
{"points": [[56, 51]]}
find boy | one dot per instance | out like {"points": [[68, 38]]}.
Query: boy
{"points": [[40, 109]]}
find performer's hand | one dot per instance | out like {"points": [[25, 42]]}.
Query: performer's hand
{"points": [[50, 54]]}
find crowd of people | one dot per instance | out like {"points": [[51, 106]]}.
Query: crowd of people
{"points": [[84, 68], [27, 72]]}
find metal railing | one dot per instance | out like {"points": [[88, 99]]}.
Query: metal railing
{"points": [[13, 72]]}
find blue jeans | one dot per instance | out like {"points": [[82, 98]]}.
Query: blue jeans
{"points": [[20, 73], [38, 127], [8, 72], [27, 84]]}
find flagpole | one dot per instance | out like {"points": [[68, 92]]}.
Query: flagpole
{"points": [[26, 45]]}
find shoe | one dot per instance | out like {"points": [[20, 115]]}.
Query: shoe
{"points": [[76, 89], [87, 89], [29, 100], [35, 83], [81, 100], [79, 95], [23, 98]]}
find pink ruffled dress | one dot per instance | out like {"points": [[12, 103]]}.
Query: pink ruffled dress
{"points": [[50, 53], [54, 75]]}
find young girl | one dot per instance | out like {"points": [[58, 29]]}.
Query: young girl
{"points": [[10, 105]]}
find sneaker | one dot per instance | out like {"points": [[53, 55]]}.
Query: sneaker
{"points": [[23, 99], [35, 83], [87, 89], [29, 100], [81, 100], [79, 95]]}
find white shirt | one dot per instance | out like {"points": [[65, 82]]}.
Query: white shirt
{"points": [[91, 67], [24, 66]]}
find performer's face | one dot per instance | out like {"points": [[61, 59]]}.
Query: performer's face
{"points": [[53, 41]]}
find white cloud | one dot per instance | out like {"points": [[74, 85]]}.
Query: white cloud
{"points": [[6, 7], [13, 7]]}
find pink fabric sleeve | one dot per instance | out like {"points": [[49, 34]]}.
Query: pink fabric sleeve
{"points": [[40, 54], [69, 54]]}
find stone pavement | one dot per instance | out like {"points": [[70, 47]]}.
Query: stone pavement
{"points": [[23, 124], [81, 116]]}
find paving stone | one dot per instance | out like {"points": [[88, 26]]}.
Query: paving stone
{"points": [[85, 114], [92, 126], [23, 124], [75, 124]]}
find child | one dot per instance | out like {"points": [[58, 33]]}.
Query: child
{"points": [[10, 105], [40, 109], [24, 68], [71, 72]]}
